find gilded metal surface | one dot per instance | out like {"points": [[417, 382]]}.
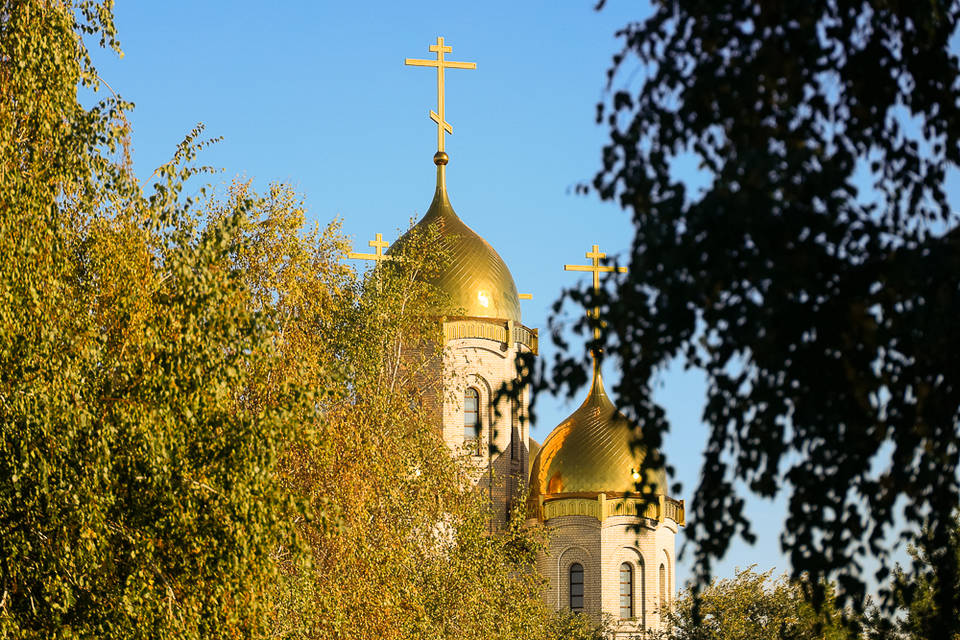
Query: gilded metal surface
{"points": [[572, 507], [529, 337], [476, 278], [378, 244], [596, 268], [588, 452], [504, 332], [603, 506], [441, 63], [588, 457]]}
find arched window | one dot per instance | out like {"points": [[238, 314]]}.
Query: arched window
{"points": [[663, 587], [576, 587], [471, 416], [626, 590]]}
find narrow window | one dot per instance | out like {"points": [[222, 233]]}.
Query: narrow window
{"points": [[471, 416], [576, 587], [663, 587], [626, 590], [514, 429]]}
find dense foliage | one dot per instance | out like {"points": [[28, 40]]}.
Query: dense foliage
{"points": [[209, 425], [399, 539], [752, 606], [813, 277], [918, 594], [136, 497]]}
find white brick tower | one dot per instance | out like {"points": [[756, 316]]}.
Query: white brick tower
{"points": [[607, 554]]}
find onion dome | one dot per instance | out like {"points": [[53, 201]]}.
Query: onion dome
{"points": [[475, 276], [589, 452]]}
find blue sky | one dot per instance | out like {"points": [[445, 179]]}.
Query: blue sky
{"points": [[315, 94]]}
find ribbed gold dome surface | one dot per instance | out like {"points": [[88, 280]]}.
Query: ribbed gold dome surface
{"points": [[476, 278], [589, 452]]}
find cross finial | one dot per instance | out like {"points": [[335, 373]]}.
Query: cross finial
{"points": [[378, 244], [596, 268], [441, 63]]}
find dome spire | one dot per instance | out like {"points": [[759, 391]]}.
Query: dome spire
{"points": [[596, 383], [596, 393], [440, 158], [475, 277], [593, 450], [596, 268], [440, 115]]}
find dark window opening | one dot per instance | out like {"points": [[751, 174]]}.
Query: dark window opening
{"points": [[471, 417], [663, 587], [626, 590], [514, 429], [576, 587]]}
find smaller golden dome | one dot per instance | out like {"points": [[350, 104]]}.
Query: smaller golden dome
{"points": [[476, 277], [589, 452]]}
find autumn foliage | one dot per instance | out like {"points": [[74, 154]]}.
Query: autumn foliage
{"points": [[208, 425]]}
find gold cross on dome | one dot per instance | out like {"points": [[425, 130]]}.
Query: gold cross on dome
{"points": [[596, 268], [378, 244], [441, 63]]}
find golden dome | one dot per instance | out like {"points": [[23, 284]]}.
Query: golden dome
{"points": [[589, 452], [476, 278]]}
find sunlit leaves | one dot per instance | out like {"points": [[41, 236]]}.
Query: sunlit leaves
{"points": [[137, 497], [399, 537], [752, 606]]}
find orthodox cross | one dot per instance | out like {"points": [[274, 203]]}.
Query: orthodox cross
{"points": [[441, 63], [379, 244], [596, 268]]}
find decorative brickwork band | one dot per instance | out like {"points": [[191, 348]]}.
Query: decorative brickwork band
{"points": [[601, 506], [506, 332]]}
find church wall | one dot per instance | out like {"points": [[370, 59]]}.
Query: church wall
{"points": [[666, 535], [484, 365], [572, 539], [602, 548], [622, 543]]}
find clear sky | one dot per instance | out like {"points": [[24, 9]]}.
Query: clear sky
{"points": [[315, 94]]}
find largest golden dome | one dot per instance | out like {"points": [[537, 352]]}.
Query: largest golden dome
{"points": [[589, 452], [475, 277]]}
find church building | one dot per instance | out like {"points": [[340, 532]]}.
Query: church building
{"points": [[607, 555]]}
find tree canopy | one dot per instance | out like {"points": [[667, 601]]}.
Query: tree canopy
{"points": [[752, 606], [136, 498], [398, 537], [209, 424], [917, 593], [813, 277]]}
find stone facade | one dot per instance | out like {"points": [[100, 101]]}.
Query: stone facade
{"points": [[601, 548], [601, 531], [484, 364]]}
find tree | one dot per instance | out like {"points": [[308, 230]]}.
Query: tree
{"points": [[753, 606], [138, 497], [814, 276], [208, 424], [917, 593], [399, 539]]}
